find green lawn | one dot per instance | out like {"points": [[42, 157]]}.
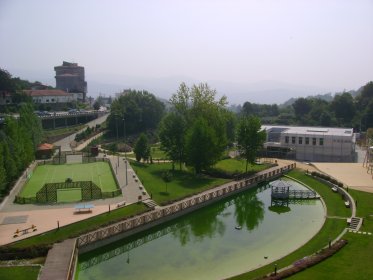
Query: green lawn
{"points": [[157, 153], [97, 172], [238, 166], [76, 229], [183, 183], [19, 273], [354, 261], [331, 229]]}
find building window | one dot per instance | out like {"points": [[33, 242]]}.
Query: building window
{"points": [[321, 141], [314, 141], [287, 139], [300, 140], [47, 100], [293, 140], [52, 99], [307, 140]]}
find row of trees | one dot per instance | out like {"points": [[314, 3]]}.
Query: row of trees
{"points": [[344, 110], [18, 142]]}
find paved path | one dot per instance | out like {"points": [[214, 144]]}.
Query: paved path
{"points": [[58, 261], [65, 142]]}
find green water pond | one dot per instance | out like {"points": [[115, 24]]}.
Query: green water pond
{"points": [[232, 236]]}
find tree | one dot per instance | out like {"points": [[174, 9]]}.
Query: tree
{"points": [[194, 105], [302, 107], [166, 176], [6, 81], [3, 177], [366, 96], [140, 110], [96, 105], [250, 138], [344, 108], [30, 124], [201, 145], [142, 148], [171, 132]]}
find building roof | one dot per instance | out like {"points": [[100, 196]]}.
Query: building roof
{"points": [[310, 130], [45, 146], [46, 92]]}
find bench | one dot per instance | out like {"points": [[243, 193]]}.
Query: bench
{"points": [[83, 208], [121, 204]]}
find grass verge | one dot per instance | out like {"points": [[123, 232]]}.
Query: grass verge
{"points": [[19, 272]]}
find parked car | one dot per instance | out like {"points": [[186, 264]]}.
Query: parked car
{"points": [[72, 111]]}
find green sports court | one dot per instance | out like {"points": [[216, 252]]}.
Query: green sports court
{"points": [[97, 172]]}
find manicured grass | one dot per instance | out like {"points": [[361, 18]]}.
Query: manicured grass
{"points": [[333, 200], [81, 227], [354, 261], [238, 166], [69, 195], [97, 172], [331, 229], [157, 153], [19, 273], [183, 183]]}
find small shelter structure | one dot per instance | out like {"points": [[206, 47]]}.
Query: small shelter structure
{"points": [[44, 150]]}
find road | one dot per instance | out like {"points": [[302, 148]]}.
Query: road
{"points": [[65, 142]]}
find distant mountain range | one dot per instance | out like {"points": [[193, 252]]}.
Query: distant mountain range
{"points": [[327, 96]]}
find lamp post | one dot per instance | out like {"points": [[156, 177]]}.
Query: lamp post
{"points": [[125, 162], [124, 136], [275, 269], [116, 124]]}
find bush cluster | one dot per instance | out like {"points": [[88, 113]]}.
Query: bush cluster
{"points": [[327, 178]]}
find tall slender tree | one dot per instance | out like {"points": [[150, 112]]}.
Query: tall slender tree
{"points": [[250, 138]]}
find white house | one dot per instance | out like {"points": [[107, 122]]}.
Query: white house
{"points": [[48, 96], [319, 144]]}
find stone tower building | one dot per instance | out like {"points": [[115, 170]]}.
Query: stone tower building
{"points": [[70, 78]]}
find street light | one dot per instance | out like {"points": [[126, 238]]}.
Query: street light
{"points": [[124, 136]]}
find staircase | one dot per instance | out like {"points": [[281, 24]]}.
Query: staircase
{"points": [[150, 203], [355, 223]]}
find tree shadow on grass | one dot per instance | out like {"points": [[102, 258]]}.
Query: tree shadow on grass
{"points": [[164, 193]]}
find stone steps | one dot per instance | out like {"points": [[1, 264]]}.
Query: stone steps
{"points": [[355, 223], [150, 203]]}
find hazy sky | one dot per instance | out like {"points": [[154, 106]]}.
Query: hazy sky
{"points": [[320, 45]]}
